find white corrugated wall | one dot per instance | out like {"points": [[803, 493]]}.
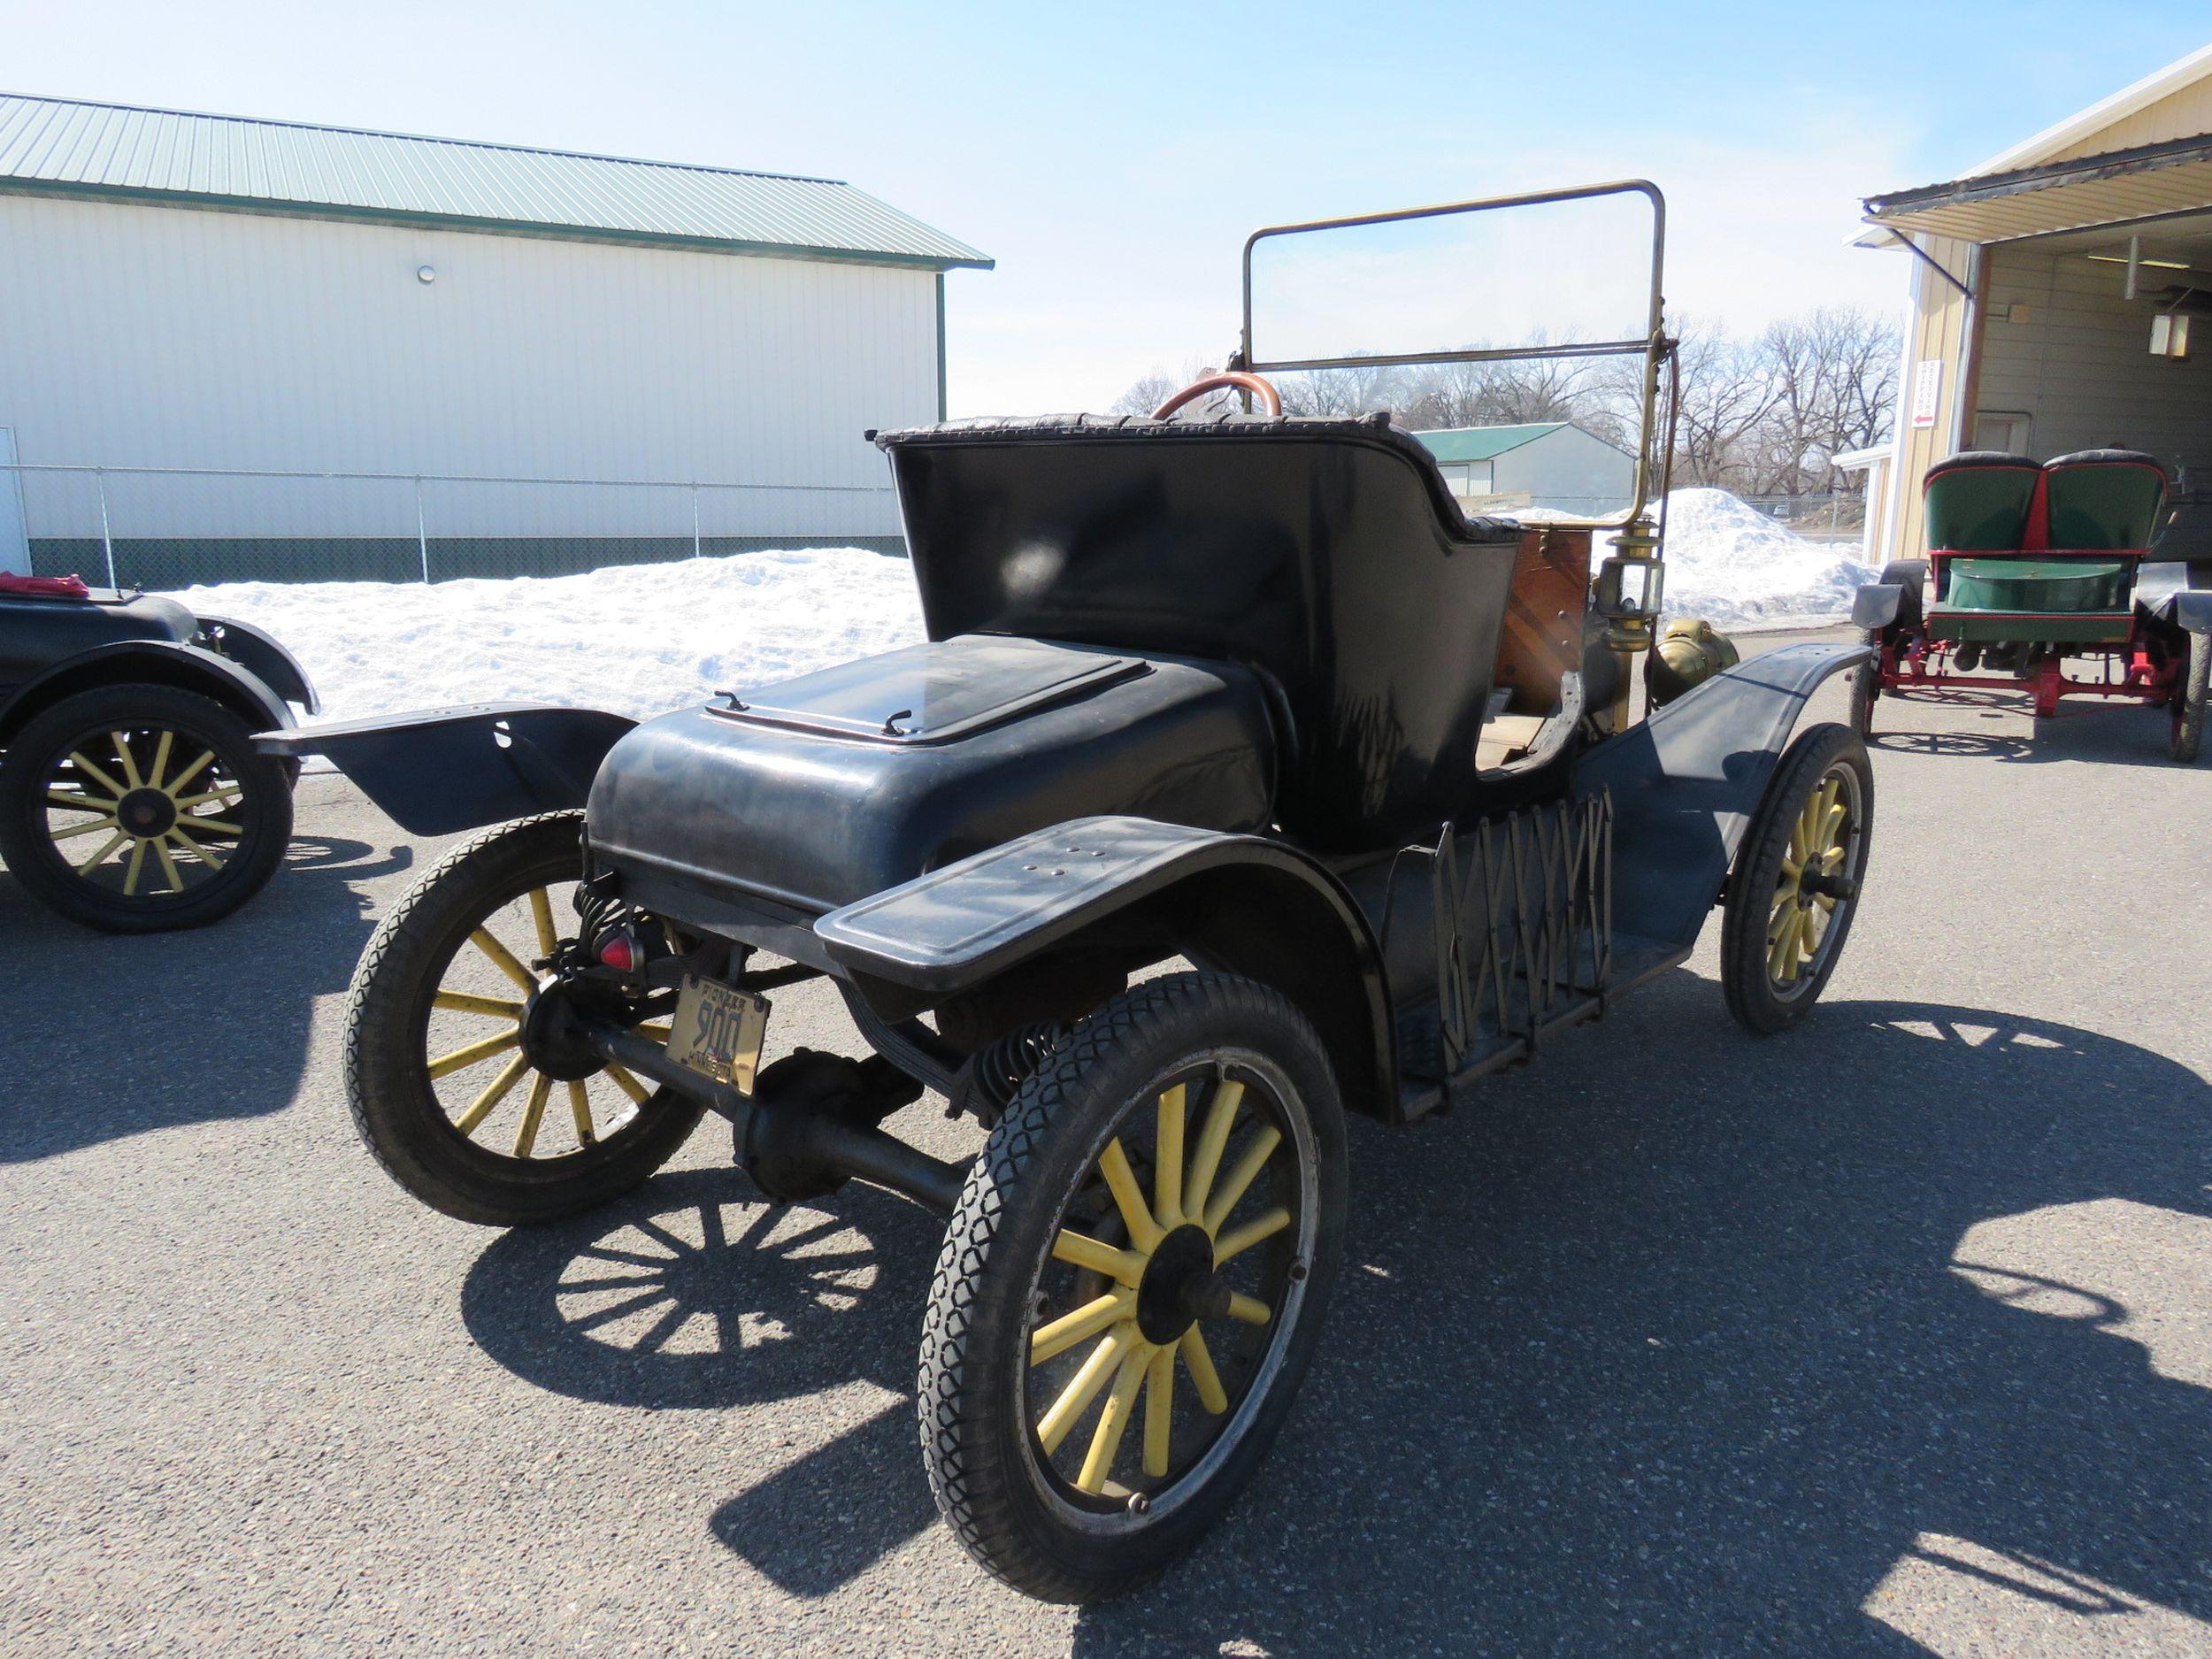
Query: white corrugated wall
{"points": [[147, 337]]}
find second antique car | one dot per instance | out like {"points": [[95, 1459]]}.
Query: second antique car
{"points": [[132, 797], [1243, 782]]}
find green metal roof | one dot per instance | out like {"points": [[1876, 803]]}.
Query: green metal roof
{"points": [[1481, 443], [111, 151]]}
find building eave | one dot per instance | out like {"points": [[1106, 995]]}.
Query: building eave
{"points": [[268, 208]]}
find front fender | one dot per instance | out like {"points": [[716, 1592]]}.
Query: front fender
{"points": [[444, 770], [1686, 782], [1248, 904], [152, 662], [1876, 605]]}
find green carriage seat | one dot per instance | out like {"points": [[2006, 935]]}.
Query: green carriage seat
{"points": [[2097, 501], [1979, 501], [2104, 500]]}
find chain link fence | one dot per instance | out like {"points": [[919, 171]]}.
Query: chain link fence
{"points": [[171, 527]]}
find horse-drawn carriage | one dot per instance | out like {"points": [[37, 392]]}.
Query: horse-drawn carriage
{"points": [[2039, 579], [1185, 833]]}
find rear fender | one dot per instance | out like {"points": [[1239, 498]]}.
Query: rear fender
{"points": [[1686, 782], [1240, 903], [148, 662], [261, 656], [445, 769], [2162, 593]]}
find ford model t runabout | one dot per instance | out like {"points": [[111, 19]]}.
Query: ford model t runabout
{"points": [[1190, 829]]}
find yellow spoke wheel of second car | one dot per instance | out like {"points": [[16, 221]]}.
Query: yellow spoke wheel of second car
{"points": [[444, 1089], [1133, 1283]]}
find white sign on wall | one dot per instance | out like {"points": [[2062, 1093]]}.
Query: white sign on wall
{"points": [[1927, 386]]}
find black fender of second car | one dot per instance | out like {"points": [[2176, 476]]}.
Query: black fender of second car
{"points": [[1686, 782], [260, 654], [1244, 903], [186, 667], [441, 771]]}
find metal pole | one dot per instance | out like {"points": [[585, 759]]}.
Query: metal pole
{"points": [[422, 537], [107, 540], [694, 520]]}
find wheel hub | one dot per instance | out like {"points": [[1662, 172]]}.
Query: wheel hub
{"points": [[1179, 1287], [146, 813], [553, 1034]]}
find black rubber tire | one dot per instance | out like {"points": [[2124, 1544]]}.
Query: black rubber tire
{"points": [[265, 808], [1752, 998], [2188, 732], [975, 1435], [1866, 687], [388, 1085]]}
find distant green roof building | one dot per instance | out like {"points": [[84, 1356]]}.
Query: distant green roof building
{"points": [[1550, 464], [1484, 443]]}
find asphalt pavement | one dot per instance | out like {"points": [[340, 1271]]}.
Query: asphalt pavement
{"points": [[1890, 1335]]}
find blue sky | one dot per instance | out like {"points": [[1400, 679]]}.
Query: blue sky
{"points": [[1112, 158]]}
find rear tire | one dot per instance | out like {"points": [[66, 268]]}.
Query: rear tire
{"points": [[1780, 937], [2189, 700], [452, 1162], [1006, 1413]]}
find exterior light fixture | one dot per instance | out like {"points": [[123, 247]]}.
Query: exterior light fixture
{"points": [[426, 273]]}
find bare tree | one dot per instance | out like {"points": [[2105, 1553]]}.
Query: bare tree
{"points": [[1766, 416], [1359, 389], [1145, 393]]}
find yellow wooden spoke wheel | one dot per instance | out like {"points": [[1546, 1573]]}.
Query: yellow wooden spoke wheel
{"points": [[1133, 1283], [446, 1088], [135, 808], [1795, 884]]}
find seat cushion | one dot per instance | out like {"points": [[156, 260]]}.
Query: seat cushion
{"points": [[1979, 501]]}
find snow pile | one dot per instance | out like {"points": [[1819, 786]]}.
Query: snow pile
{"points": [[1732, 565], [642, 639]]}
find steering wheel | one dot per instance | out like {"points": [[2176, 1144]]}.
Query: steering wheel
{"points": [[1270, 400]]}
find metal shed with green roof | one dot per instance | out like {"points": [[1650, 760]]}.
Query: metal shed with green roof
{"points": [[190, 291], [1554, 464]]}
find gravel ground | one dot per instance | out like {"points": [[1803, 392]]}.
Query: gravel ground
{"points": [[1890, 1335]]}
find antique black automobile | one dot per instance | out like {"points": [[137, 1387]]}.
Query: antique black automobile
{"points": [[132, 797], [1188, 831]]}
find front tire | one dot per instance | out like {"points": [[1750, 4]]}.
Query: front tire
{"points": [[2189, 700], [436, 1074], [1095, 1270], [1795, 886], [138, 809]]}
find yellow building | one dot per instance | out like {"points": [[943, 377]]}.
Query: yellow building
{"points": [[2062, 300]]}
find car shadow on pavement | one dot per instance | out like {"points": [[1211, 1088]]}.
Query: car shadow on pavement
{"points": [[1676, 1342], [1681, 1343], [694, 1291], [2116, 735], [107, 1036]]}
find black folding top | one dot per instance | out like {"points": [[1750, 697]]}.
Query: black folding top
{"points": [[1377, 428]]}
